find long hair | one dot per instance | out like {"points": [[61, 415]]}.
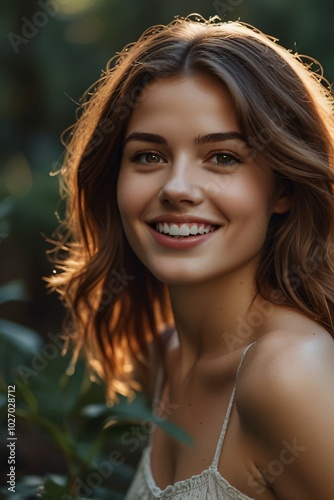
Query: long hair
{"points": [[117, 306]]}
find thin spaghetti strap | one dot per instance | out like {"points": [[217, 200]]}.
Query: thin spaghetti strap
{"points": [[228, 412]]}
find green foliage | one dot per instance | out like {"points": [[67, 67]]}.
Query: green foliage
{"points": [[57, 404], [72, 412], [97, 442]]}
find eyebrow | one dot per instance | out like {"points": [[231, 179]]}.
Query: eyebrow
{"points": [[219, 137], [145, 137], [198, 140]]}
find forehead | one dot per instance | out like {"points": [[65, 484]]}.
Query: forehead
{"points": [[186, 102]]}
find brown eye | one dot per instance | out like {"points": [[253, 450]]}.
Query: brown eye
{"points": [[151, 158], [147, 158], [226, 159]]}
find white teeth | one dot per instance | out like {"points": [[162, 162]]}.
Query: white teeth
{"points": [[184, 230], [174, 230]]}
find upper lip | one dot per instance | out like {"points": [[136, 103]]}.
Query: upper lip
{"points": [[178, 219]]}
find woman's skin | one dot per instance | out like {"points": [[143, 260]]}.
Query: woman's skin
{"points": [[174, 170]]}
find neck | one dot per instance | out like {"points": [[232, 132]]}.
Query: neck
{"points": [[213, 318]]}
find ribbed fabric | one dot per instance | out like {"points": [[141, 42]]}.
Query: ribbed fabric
{"points": [[209, 485]]}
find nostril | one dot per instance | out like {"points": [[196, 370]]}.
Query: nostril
{"points": [[176, 193]]}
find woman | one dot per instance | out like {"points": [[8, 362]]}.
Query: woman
{"points": [[200, 193]]}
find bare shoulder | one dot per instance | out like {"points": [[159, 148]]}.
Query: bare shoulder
{"points": [[288, 359], [285, 400]]}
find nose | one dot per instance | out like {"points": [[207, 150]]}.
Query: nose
{"points": [[181, 187]]}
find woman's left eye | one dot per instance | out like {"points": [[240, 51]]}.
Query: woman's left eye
{"points": [[224, 158]]}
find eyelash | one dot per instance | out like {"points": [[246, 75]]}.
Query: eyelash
{"points": [[225, 152], [136, 156]]}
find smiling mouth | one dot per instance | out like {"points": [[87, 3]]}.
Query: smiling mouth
{"points": [[184, 230]]}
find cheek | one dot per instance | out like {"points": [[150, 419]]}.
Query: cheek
{"points": [[133, 194], [241, 198], [126, 200], [247, 205], [124, 193], [127, 193]]}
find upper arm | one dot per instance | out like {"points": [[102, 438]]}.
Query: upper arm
{"points": [[285, 400]]}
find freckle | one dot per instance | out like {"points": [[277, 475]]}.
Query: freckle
{"points": [[241, 283], [313, 333], [200, 423], [189, 404]]}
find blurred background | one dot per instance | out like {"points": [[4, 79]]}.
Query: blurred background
{"points": [[51, 52]]}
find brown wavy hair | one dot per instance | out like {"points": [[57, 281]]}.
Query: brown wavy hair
{"points": [[117, 307]]}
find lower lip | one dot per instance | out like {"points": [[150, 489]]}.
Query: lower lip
{"points": [[180, 243]]}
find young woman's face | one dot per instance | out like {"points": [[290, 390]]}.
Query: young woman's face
{"points": [[193, 202]]}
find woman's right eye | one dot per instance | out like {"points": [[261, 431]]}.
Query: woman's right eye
{"points": [[147, 158]]}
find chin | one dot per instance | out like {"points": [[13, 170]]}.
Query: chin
{"points": [[181, 278]]}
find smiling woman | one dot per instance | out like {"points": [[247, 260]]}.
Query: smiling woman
{"points": [[201, 173], [162, 193]]}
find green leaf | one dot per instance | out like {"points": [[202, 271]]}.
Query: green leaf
{"points": [[52, 489], [94, 410], [59, 436], [20, 336], [28, 396], [71, 387], [137, 412], [13, 290], [25, 488]]}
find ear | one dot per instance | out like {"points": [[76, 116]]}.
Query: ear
{"points": [[283, 201]]}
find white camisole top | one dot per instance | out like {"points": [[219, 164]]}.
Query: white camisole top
{"points": [[208, 485]]}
